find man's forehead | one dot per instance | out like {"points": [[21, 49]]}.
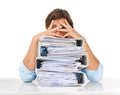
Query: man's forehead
{"points": [[59, 20]]}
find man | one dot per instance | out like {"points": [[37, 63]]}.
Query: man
{"points": [[59, 24]]}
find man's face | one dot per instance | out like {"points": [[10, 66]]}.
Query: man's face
{"points": [[57, 24]]}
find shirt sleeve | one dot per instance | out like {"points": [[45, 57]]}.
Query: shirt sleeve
{"points": [[25, 74], [94, 75]]}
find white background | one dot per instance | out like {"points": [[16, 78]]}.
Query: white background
{"points": [[97, 20]]}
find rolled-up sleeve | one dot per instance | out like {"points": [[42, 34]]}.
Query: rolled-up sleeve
{"points": [[94, 75], [25, 74]]}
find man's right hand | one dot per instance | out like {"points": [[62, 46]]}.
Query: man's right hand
{"points": [[49, 32]]}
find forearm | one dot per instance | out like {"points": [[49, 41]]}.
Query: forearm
{"points": [[30, 58], [93, 62]]}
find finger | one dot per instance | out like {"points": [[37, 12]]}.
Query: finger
{"points": [[54, 30], [63, 30], [56, 35], [50, 26], [63, 24], [67, 23], [66, 35]]}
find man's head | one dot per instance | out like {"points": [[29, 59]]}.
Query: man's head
{"points": [[58, 14]]}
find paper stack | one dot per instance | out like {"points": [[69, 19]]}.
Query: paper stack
{"points": [[59, 61]]}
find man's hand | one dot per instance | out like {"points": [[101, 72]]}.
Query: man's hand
{"points": [[52, 31], [69, 31], [49, 32]]}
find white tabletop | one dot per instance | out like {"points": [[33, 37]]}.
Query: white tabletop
{"points": [[17, 87]]}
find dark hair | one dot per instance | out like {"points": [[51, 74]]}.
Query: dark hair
{"points": [[57, 14]]}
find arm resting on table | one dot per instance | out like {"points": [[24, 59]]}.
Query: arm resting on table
{"points": [[94, 75], [25, 74]]}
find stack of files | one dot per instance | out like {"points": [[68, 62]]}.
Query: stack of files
{"points": [[59, 61], [50, 79]]}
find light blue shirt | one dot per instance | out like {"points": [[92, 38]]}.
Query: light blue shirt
{"points": [[92, 75]]}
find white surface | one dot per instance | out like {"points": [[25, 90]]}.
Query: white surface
{"points": [[16, 87], [97, 20]]}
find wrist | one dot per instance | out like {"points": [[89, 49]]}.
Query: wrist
{"points": [[36, 38]]}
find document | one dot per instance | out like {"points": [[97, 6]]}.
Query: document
{"points": [[57, 40], [60, 66]]}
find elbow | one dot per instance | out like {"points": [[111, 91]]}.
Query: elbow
{"points": [[27, 77], [94, 75], [94, 78]]}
